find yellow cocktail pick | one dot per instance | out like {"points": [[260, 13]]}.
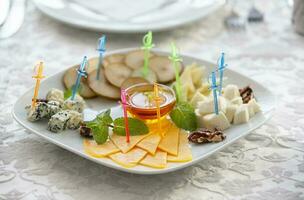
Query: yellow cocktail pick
{"points": [[38, 78], [157, 100]]}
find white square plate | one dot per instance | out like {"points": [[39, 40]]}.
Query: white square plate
{"points": [[72, 141]]}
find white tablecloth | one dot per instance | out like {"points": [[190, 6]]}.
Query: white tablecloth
{"points": [[267, 164]]}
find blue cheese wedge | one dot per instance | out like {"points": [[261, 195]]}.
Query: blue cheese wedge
{"points": [[58, 122], [65, 119], [55, 95], [53, 107], [78, 104], [75, 119], [38, 112]]}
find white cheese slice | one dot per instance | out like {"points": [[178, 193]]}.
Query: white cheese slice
{"points": [[231, 91], [197, 97], [207, 106], [241, 114], [254, 105], [237, 101], [212, 121], [230, 111]]}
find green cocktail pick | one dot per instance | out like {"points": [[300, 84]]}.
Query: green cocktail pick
{"points": [[175, 58], [147, 45]]}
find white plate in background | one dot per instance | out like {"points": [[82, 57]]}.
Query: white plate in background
{"points": [[127, 16]]}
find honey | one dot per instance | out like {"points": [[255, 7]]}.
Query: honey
{"points": [[141, 102]]}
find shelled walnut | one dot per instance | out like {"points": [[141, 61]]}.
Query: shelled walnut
{"points": [[205, 135]]}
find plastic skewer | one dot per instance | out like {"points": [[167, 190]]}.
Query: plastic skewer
{"points": [[221, 67], [147, 45], [80, 73], [214, 88], [175, 58], [123, 97], [157, 103], [38, 78], [101, 49]]}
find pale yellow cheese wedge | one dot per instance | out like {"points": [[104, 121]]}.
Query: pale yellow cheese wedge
{"points": [[197, 97], [184, 151], [158, 160], [129, 159], [99, 150], [150, 143], [169, 143], [121, 143]]}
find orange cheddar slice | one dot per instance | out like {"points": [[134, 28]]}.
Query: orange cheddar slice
{"points": [[159, 160], [184, 151], [99, 150], [169, 142], [129, 159], [150, 143], [121, 143]]}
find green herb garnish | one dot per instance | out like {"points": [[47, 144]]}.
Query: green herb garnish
{"points": [[183, 116], [68, 92], [101, 124], [136, 126]]}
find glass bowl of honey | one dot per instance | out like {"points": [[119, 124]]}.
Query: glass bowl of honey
{"points": [[141, 100]]}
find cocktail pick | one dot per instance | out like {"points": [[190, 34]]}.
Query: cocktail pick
{"points": [[147, 45], [175, 58], [214, 87], [221, 67], [80, 73], [157, 103], [38, 78], [101, 49], [123, 97]]}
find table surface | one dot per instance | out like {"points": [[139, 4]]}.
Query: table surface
{"points": [[267, 164]]}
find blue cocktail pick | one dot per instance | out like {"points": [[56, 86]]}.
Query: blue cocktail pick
{"points": [[221, 67], [214, 87], [101, 49], [80, 73]]}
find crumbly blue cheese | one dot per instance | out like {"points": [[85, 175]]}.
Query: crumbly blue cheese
{"points": [[53, 107], [65, 119], [75, 119], [58, 122], [55, 95], [38, 112], [78, 104]]}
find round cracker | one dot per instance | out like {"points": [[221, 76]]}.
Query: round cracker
{"points": [[116, 73], [102, 87], [135, 59], [69, 79]]}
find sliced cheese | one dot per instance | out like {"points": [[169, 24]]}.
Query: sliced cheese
{"points": [[129, 159], [184, 151], [150, 143], [99, 150], [158, 160], [169, 143], [123, 145]]}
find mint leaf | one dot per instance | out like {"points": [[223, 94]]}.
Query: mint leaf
{"points": [[184, 117], [68, 92], [100, 127], [105, 117], [100, 134], [136, 126]]}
